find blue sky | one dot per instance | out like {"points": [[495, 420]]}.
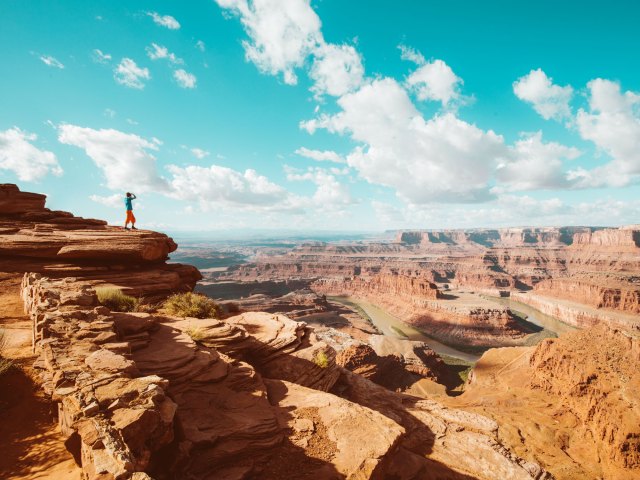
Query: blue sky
{"points": [[352, 115]]}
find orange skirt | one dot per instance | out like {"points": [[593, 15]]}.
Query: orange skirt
{"points": [[130, 217]]}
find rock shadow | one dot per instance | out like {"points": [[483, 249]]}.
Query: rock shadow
{"points": [[29, 437]]}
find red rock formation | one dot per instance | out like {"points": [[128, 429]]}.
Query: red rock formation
{"points": [[599, 291], [124, 380], [595, 267], [393, 371], [610, 237], [598, 386], [544, 236], [570, 402], [36, 239], [120, 416], [420, 303], [387, 283]]}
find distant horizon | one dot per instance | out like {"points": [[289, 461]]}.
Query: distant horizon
{"points": [[345, 116]]}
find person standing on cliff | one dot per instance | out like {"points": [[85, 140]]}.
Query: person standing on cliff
{"points": [[130, 217]]}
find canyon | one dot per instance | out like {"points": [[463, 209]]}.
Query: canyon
{"points": [[291, 383], [443, 281]]}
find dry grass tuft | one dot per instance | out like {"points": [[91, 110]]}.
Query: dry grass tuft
{"points": [[5, 364], [192, 305], [115, 300]]}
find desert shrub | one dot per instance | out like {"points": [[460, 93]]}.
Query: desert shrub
{"points": [[196, 333], [115, 300], [192, 305], [4, 363], [145, 307], [321, 359]]}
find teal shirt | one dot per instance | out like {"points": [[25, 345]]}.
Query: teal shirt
{"points": [[127, 202]]}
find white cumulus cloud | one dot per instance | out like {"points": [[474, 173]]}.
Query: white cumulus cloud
{"points": [[440, 159], [199, 153], [100, 57], [156, 52], [548, 99], [412, 55], [435, 81], [281, 33], [613, 125], [112, 201], [336, 70], [320, 155], [124, 159], [217, 186], [184, 78], [329, 192], [51, 61], [20, 156], [166, 21], [129, 74], [533, 164]]}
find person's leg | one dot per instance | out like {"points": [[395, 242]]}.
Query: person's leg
{"points": [[133, 221], [126, 223]]}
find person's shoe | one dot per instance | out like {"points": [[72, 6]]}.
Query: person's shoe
{"points": [[126, 228], [133, 228]]}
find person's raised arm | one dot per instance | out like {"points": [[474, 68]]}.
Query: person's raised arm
{"points": [[133, 197]]}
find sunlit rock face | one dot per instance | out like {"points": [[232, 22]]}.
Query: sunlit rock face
{"points": [[36, 239]]}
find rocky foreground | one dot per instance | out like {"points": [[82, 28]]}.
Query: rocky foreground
{"points": [[259, 395]]}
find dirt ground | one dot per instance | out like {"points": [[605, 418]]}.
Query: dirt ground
{"points": [[31, 444]]}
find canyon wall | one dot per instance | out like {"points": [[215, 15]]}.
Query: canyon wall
{"points": [[502, 237], [257, 395], [570, 402], [420, 303], [594, 267], [602, 291]]}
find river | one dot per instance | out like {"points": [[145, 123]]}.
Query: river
{"points": [[394, 327], [535, 316]]}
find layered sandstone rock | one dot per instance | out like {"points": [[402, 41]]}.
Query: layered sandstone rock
{"points": [[396, 369], [609, 237], [120, 416], [469, 320], [599, 291], [577, 314], [592, 266], [494, 237], [438, 440], [391, 283], [570, 402], [36, 239]]}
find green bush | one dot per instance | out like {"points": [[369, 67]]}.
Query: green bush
{"points": [[4, 363], [321, 359], [191, 305], [115, 300]]}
